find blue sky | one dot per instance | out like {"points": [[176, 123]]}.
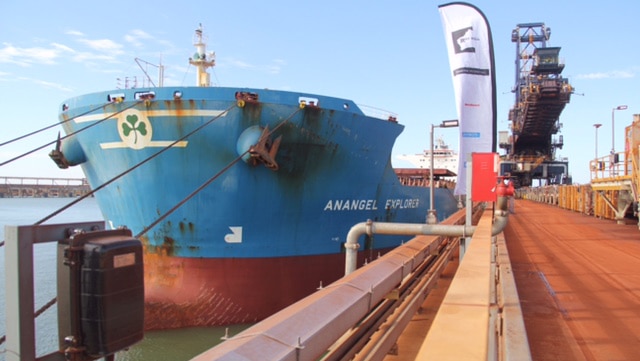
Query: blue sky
{"points": [[388, 55]]}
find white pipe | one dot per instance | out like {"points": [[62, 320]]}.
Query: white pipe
{"points": [[411, 229]]}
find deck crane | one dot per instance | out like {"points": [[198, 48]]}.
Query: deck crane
{"points": [[541, 95]]}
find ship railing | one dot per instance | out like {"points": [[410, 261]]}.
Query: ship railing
{"points": [[378, 113]]}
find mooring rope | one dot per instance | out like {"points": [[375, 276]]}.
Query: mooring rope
{"points": [[52, 125], [69, 135]]}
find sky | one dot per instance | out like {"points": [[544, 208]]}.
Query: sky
{"points": [[389, 55]]}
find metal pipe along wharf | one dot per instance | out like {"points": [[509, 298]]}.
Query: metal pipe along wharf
{"points": [[409, 229]]}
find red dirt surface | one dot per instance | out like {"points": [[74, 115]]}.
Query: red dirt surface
{"points": [[578, 279]]}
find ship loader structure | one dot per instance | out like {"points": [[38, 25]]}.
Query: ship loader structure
{"points": [[541, 95]]}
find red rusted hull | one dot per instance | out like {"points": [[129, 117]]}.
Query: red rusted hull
{"points": [[187, 292]]}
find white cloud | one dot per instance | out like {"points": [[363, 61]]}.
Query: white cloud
{"points": [[136, 36], [74, 32], [277, 66], [62, 47], [103, 45], [28, 56], [49, 84], [165, 43], [274, 69], [102, 50], [240, 64], [85, 56], [615, 74], [46, 84]]}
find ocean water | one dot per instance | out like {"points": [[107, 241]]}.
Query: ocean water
{"points": [[171, 345]]}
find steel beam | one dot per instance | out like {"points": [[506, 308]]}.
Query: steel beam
{"points": [[19, 286]]}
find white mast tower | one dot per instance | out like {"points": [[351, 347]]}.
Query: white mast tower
{"points": [[201, 60]]}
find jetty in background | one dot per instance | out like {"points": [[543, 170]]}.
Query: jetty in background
{"points": [[37, 187]]}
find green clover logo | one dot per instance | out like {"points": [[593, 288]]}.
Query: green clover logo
{"points": [[131, 126]]}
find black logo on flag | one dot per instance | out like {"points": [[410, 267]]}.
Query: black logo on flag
{"points": [[464, 41]]}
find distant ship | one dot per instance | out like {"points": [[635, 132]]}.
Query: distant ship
{"points": [[263, 187], [443, 157]]}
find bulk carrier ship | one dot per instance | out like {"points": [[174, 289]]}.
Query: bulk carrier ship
{"points": [[242, 197]]}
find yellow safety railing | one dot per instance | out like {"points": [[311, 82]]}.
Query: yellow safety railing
{"points": [[605, 168], [635, 171]]}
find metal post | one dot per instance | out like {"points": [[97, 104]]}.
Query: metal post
{"points": [[20, 327], [468, 219], [613, 132], [613, 128], [597, 126], [431, 215], [614, 160]]}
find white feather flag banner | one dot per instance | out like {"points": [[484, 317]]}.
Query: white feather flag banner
{"points": [[470, 47]]}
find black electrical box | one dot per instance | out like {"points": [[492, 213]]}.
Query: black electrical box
{"points": [[100, 293]]}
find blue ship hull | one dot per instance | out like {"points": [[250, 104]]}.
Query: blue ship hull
{"points": [[329, 168]]}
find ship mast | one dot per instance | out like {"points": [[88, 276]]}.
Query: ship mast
{"points": [[201, 60]]}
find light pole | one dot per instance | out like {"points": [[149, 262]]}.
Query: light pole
{"points": [[613, 128], [597, 126], [431, 215]]}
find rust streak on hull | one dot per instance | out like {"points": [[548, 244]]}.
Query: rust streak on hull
{"points": [[188, 292]]}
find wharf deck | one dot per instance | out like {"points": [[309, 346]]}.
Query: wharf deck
{"points": [[578, 283]]}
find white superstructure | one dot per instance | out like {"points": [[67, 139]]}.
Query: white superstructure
{"points": [[443, 157]]}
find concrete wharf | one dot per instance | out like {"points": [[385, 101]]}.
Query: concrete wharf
{"points": [[38, 187]]}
